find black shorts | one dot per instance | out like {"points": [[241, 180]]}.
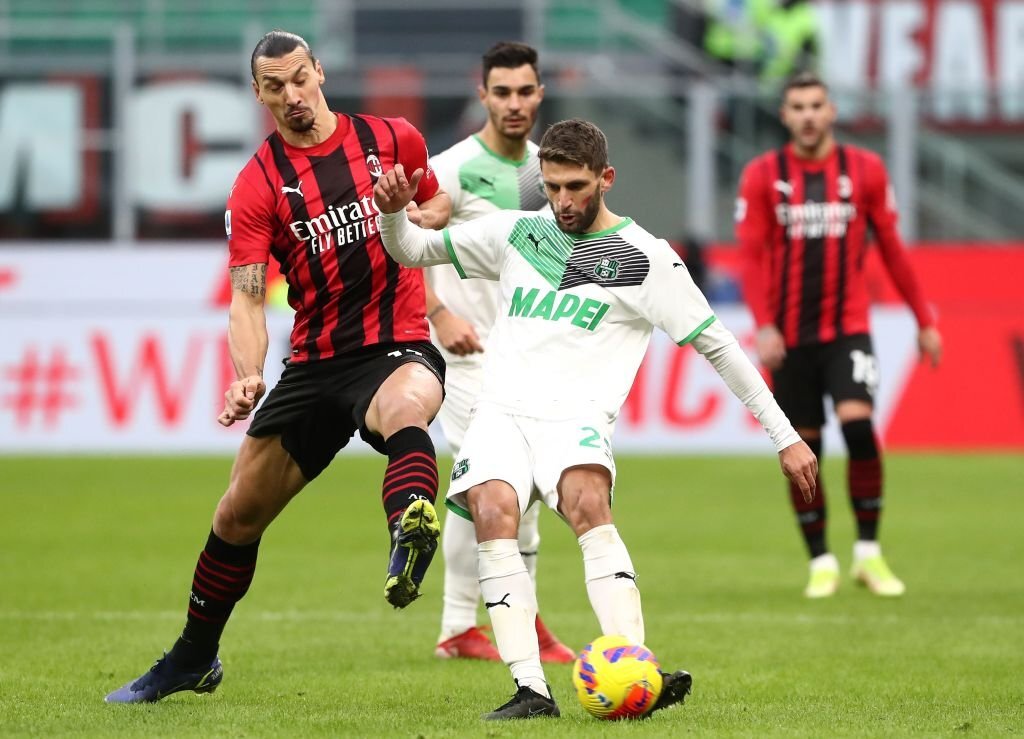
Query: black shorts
{"points": [[317, 407], [845, 369]]}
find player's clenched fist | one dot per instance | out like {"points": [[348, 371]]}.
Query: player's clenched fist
{"points": [[801, 466], [394, 190], [241, 397]]}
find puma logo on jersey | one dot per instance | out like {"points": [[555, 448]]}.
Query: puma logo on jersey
{"points": [[784, 187], [535, 241], [498, 603], [285, 190]]}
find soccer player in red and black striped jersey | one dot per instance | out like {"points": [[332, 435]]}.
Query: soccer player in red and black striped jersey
{"points": [[361, 358], [802, 220]]}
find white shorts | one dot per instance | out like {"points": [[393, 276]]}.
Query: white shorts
{"points": [[530, 454], [462, 383]]}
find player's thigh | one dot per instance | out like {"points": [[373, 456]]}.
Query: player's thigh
{"points": [[264, 478], [852, 376], [494, 449], [799, 387], [402, 387], [559, 446], [462, 385], [305, 412]]}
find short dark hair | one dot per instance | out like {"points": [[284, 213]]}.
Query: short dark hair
{"points": [[276, 44], [509, 55], [802, 80], [575, 141]]}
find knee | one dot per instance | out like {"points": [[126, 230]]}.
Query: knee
{"points": [[586, 510], [585, 498], [495, 515], [860, 439], [407, 406], [237, 523]]}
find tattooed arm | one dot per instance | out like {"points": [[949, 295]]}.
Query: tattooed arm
{"points": [[247, 341]]}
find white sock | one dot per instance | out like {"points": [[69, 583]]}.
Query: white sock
{"points": [[865, 549], [826, 561], [611, 583], [507, 587], [529, 539], [461, 578]]}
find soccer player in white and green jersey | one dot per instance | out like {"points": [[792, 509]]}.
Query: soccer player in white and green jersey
{"points": [[494, 169], [580, 296]]}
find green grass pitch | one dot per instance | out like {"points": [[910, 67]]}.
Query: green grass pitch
{"points": [[97, 556]]}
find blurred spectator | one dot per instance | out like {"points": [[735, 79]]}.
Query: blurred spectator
{"points": [[732, 35], [766, 39], [789, 30]]}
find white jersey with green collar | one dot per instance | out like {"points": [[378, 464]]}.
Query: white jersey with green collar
{"points": [[575, 313], [480, 182]]}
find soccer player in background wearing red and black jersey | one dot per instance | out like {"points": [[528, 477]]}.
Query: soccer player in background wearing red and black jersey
{"points": [[802, 219], [361, 358]]}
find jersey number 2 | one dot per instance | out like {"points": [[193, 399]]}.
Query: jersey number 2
{"points": [[592, 438]]}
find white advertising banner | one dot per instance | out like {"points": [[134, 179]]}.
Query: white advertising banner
{"points": [[126, 351]]}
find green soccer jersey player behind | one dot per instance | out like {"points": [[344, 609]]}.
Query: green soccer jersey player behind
{"points": [[494, 169]]}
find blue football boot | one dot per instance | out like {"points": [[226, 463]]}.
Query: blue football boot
{"points": [[164, 678]]}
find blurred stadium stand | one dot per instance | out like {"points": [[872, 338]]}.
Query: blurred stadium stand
{"points": [[123, 125], [676, 117]]}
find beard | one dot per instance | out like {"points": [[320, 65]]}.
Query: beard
{"points": [[507, 131], [810, 139], [301, 125], [585, 219], [515, 135]]}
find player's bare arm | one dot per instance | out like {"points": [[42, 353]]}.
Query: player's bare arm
{"points": [[771, 346], [434, 213], [455, 333], [247, 341], [929, 342], [250, 279]]}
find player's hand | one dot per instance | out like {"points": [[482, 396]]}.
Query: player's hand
{"points": [[801, 467], [456, 334], [929, 342], [241, 397], [414, 214], [771, 347], [394, 190]]}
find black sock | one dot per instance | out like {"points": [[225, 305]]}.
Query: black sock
{"points": [[811, 516], [864, 476], [223, 575], [411, 473]]}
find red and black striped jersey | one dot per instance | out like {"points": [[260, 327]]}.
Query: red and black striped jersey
{"points": [[313, 209], [802, 227]]}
